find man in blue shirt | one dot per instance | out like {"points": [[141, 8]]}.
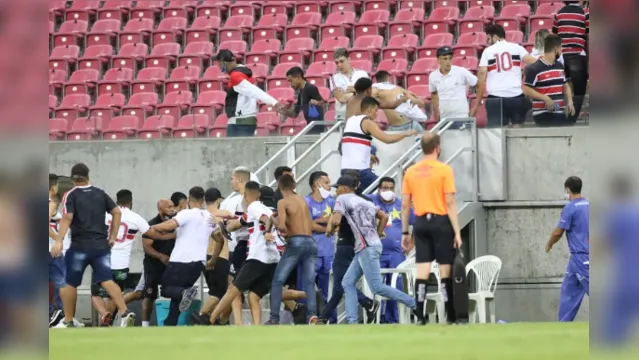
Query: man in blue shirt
{"points": [[392, 253], [575, 222]]}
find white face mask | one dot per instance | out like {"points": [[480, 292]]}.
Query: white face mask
{"points": [[387, 195], [324, 193], [567, 195]]}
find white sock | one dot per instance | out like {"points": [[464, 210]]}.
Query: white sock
{"points": [[145, 324]]}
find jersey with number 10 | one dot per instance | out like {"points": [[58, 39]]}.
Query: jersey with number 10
{"points": [[503, 60], [130, 224]]}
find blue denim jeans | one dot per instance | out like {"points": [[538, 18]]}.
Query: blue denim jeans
{"points": [[366, 263], [57, 277], [300, 249]]}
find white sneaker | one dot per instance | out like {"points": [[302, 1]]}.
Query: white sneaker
{"points": [[77, 323], [128, 319], [63, 325]]}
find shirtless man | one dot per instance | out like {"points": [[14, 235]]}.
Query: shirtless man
{"points": [[364, 88], [296, 225], [409, 112]]}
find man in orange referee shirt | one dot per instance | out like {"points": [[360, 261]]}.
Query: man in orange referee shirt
{"points": [[430, 186]]}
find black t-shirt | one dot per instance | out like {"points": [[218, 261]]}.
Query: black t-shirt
{"points": [[345, 236], [88, 204], [162, 246], [311, 112]]}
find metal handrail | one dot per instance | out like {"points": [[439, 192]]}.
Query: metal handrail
{"points": [[307, 128]]}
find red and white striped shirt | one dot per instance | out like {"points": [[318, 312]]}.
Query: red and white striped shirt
{"points": [[572, 24]]}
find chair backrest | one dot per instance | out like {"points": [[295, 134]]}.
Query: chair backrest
{"points": [[199, 47], [125, 121], [410, 14], [239, 21], [194, 120], [186, 72], [152, 73], [76, 100], [514, 10], [267, 45], [369, 41], [98, 50], [479, 11], [486, 269], [403, 40], [281, 68], [111, 100], [334, 42], [106, 25], [212, 73], [308, 18], [437, 40], [145, 98], [138, 24], [172, 23], [365, 65], [73, 26], [66, 51], [135, 49], [340, 17], [373, 16], [211, 97], [259, 70], [154, 121], [206, 22], [57, 75], [117, 74], [166, 49], [444, 13], [273, 19], [178, 97], [321, 68], [234, 45], [300, 44]]}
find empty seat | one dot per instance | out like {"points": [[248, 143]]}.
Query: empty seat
{"points": [[53, 102], [130, 56], [372, 23], [56, 78], [136, 31], [103, 32], [196, 54], [81, 81], [337, 24], [157, 127], [545, 9], [269, 27], [203, 29], [540, 22], [95, 57], [114, 9], [433, 42], [292, 127], [237, 47], [107, 106], [396, 67], [219, 127], [400, 46], [245, 8], [149, 79], [70, 32], [422, 91], [513, 16], [235, 28], [319, 72], [267, 122], [470, 44], [481, 116], [410, 4], [468, 62], [263, 51], [58, 129], [303, 25], [515, 36], [308, 6], [180, 9], [472, 3], [163, 55], [366, 47], [297, 50], [377, 5], [169, 30], [82, 9], [209, 103], [278, 75], [406, 21], [141, 104], [476, 18], [175, 103], [419, 73], [122, 127], [115, 80], [212, 8], [211, 80], [337, 6], [73, 106], [284, 95], [147, 9], [192, 125], [259, 70], [441, 20], [183, 78], [325, 51], [86, 128], [447, 3], [365, 65]]}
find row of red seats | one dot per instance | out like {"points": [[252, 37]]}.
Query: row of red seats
{"points": [[240, 27]]}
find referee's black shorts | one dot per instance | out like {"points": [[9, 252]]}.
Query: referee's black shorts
{"points": [[434, 239]]}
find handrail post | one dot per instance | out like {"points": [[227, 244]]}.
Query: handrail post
{"points": [[475, 142]]}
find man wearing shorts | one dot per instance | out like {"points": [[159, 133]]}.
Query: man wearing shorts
{"points": [[430, 186]]}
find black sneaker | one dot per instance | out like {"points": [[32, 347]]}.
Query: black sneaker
{"points": [[200, 319], [299, 314], [322, 321], [271, 322], [419, 318], [55, 318], [371, 313]]}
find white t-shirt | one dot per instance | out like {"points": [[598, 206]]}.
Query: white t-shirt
{"points": [[194, 231], [259, 248], [233, 204], [452, 89], [131, 224], [54, 222], [341, 81], [503, 60]]}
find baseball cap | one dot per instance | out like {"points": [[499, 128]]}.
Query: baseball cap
{"points": [[267, 196], [212, 194], [346, 180], [444, 50], [79, 170]]}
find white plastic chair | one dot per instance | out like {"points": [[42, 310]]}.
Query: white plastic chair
{"points": [[436, 302], [486, 269]]}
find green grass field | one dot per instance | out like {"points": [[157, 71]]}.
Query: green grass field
{"points": [[521, 341]]}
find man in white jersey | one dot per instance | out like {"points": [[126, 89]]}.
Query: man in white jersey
{"points": [[500, 74], [409, 112], [341, 83], [359, 132]]}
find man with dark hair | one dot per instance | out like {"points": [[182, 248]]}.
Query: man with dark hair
{"points": [[575, 222], [179, 201], [241, 96], [309, 100], [277, 174], [83, 212], [341, 83], [546, 84], [500, 74], [407, 114]]}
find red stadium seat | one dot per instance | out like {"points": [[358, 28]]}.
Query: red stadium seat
{"points": [[237, 47], [192, 125], [406, 21], [122, 128], [95, 57], [433, 42], [278, 75], [292, 127], [470, 44], [276, 7], [472, 3], [396, 67], [157, 127], [147, 9], [149, 79], [547, 8], [412, 4], [175, 103], [540, 22], [267, 122], [513, 16], [53, 102], [56, 78], [303, 25], [163, 55], [183, 78], [196, 54], [260, 71], [476, 18], [103, 32], [366, 47], [308, 6], [141, 104], [84, 128], [81, 9], [169, 30], [270, 27], [107, 106], [211, 80], [419, 73], [284, 95], [73, 106], [468, 62], [136, 31], [297, 50], [81, 81], [400, 46], [245, 8], [180, 9], [515, 36], [114, 9], [422, 91], [203, 29], [235, 28], [377, 5], [70, 32], [337, 24], [338, 6], [328, 46], [372, 23], [329, 115], [115, 80], [212, 8], [58, 129], [481, 116], [219, 127], [130, 56], [365, 65], [209, 103], [441, 20], [447, 3], [264, 51], [319, 72]]}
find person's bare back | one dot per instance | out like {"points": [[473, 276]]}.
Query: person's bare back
{"points": [[297, 218]]}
